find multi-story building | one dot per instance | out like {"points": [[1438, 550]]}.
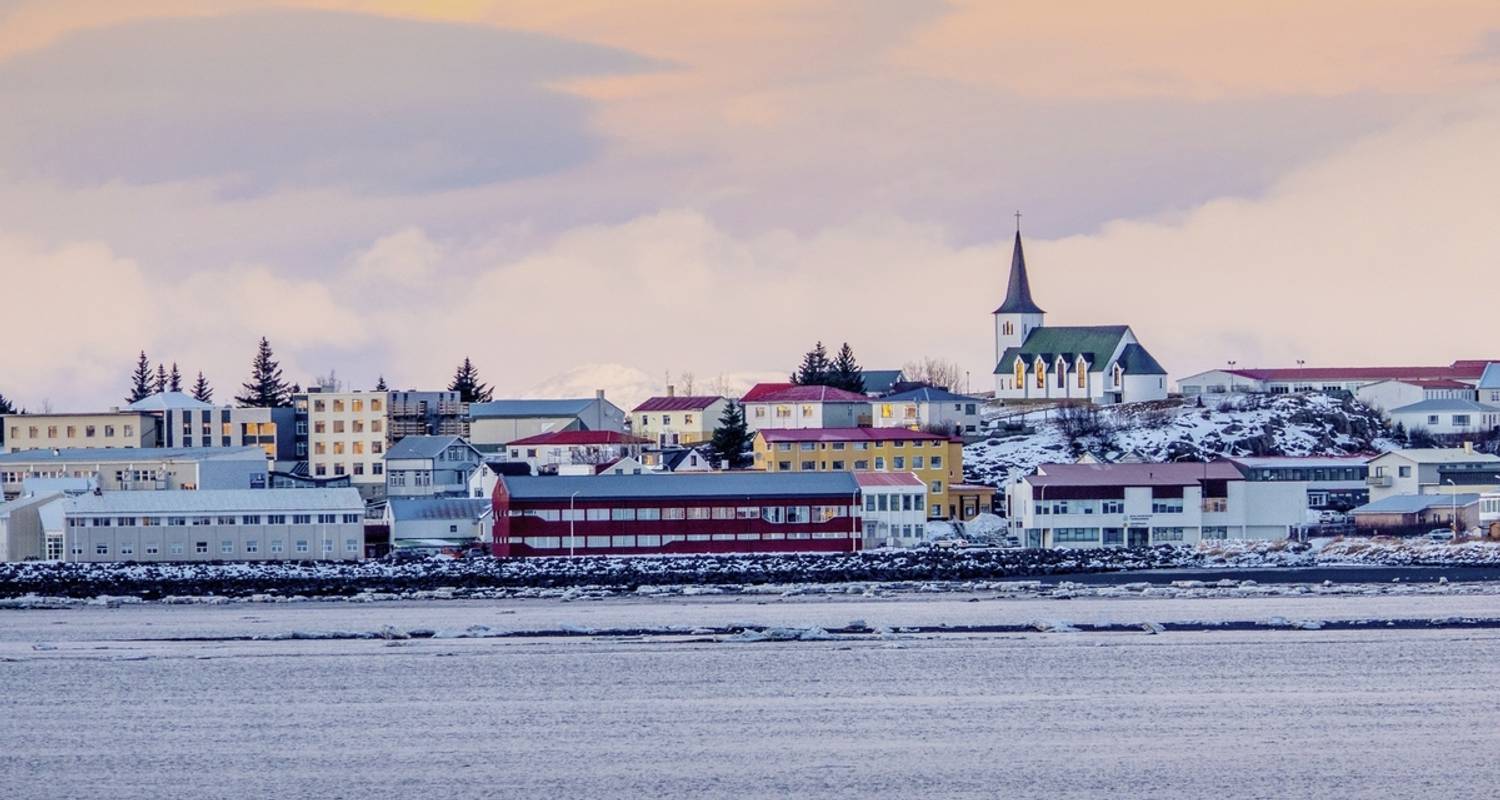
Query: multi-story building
{"points": [[708, 513], [430, 466], [1136, 505], [273, 430], [1332, 482], [208, 525], [414, 413], [144, 469], [548, 451], [935, 459], [345, 435], [928, 409], [104, 430], [1290, 380], [1395, 393], [497, 423], [894, 513], [672, 421], [783, 406], [1432, 471]]}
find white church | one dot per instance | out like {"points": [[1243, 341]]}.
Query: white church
{"points": [[1095, 363]]}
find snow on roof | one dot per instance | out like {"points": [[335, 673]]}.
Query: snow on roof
{"points": [[1440, 455], [887, 479], [168, 401], [134, 455], [1174, 474], [928, 394], [209, 501], [1445, 404], [793, 393], [405, 509]]}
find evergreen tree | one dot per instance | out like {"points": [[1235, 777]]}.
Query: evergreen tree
{"points": [[731, 436], [380, 385], [265, 389], [466, 382], [6, 407], [140, 380], [846, 373], [159, 383], [174, 379], [202, 392], [815, 367]]}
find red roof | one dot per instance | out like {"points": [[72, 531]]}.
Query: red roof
{"points": [[793, 393], [1174, 474], [580, 438], [697, 403], [849, 435], [1457, 370], [887, 479]]}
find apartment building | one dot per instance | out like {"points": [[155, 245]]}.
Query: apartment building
{"points": [[345, 434], [927, 408], [104, 430], [413, 413], [776, 406], [140, 469], [1432, 470], [895, 509], [673, 420], [430, 466], [273, 430], [935, 459]]}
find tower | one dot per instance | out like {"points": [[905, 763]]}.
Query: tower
{"points": [[1019, 315]]}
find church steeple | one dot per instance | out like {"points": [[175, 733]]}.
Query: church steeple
{"points": [[1018, 290]]}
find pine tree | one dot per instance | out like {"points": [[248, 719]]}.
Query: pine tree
{"points": [[6, 407], [202, 392], [731, 436], [846, 373], [159, 383], [814, 369], [140, 380], [380, 385], [174, 379], [265, 389], [466, 382]]}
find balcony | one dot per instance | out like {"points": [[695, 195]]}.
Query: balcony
{"points": [[1379, 481]]}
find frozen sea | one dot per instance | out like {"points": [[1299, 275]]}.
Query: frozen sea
{"points": [[156, 701]]}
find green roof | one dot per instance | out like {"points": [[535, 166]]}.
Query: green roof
{"points": [[1094, 342], [1136, 361]]}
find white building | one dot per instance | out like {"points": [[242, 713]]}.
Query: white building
{"points": [[674, 420], [1432, 471], [140, 469], [430, 466], [782, 406], [548, 451], [210, 525], [1136, 505], [1331, 482], [894, 512], [927, 409], [1489, 514], [346, 435], [1295, 380], [1447, 417], [1488, 388], [439, 523], [1092, 363], [1389, 394]]}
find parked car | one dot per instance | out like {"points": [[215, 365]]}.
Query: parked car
{"points": [[1440, 535], [1327, 517]]}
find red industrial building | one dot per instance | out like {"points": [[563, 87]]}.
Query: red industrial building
{"points": [[742, 512]]}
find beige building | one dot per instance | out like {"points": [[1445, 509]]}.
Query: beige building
{"points": [[152, 468], [346, 435], [109, 429], [672, 420]]}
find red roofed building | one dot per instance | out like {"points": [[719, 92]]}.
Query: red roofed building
{"points": [[1287, 380], [1392, 394], [672, 420], [548, 451], [788, 405]]}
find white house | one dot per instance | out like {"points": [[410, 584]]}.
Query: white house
{"points": [[430, 466], [1388, 394], [438, 523], [1488, 387], [894, 511], [782, 406], [548, 451], [1447, 417], [674, 420], [1432, 471], [927, 408], [1297, 380], [1093, 363], [1331, 482], [1136, 505], [139, 469]]}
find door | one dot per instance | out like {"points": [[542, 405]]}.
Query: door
{"points": [[1137, 537]]}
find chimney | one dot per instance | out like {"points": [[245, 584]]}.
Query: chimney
{"points": [[1469, 447], [671, 390], [598, 394]]}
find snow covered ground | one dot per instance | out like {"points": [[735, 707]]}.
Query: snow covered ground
{"points": [[157, 701]]}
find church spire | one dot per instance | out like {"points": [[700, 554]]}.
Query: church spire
{"points": [[1018, 290]]}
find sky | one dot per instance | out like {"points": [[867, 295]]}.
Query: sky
{"points": [[583, 194]]}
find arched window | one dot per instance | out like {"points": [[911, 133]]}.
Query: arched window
{"points": [[1083, 373], [1041, 374], [1020, 373], [1119, 375]]}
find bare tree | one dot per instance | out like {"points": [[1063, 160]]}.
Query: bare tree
{"points": [[687, 383], [329, 382], [935, 372], [592, 455]]}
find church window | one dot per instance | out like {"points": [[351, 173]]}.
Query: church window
{"points": [[1083, 375], [1119, 375], [1020, 373], [1041, 375]]}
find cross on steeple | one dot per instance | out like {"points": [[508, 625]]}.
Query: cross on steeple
{"points": [[1018, 221]]}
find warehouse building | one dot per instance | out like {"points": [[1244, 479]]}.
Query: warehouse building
{"points": [[140, 469]]}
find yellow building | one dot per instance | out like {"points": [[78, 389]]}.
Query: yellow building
{"points": [[937, 460], [71, 431], [672, 420]]}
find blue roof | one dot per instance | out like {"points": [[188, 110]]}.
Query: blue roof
{"points": [[167, 401], [422, 446], [497, 409], [1414, 503], [748, 485], [880, 381], [114, 455], [1491, 377], [928, 394], [412, 508], [1446, 404]]}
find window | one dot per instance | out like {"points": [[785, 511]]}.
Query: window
{"points": [[277, 546], [88, 431], [1166, 535], [302, 545], [251, 546], [201, 522], [1075, 535], [152, 548], [883, 502], [200, 547], [226, 520], [772, 514], [1166, 505], [1112, 507], [275, 519], [862, 464], [1404, 472], [177, 522], [622, 514], [880, 463], [327, 519], [1460, 420], [937, 487], [918, 462], [597, 514], [177, 548], [351, 545], [351, 519], [808, 466], [301, 519], [1114, 536], [798, 514], [937, 462], [226, 547], [898, 462], [328, 543]]}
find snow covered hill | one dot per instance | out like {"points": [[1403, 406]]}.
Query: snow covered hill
{"points": [[1176, 430]]}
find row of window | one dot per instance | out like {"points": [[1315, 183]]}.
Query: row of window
{"points": [[1306, 474], [226, 547], [1081, 507], [644, 540], [376, 468], [917, 531], [786, 447], [221, 520], [356, 405], [1116, 536], [895, 502], [377, 447], [354, 426], [1117, 374], [778, 514], [89, 431], [666, 420], [898, 464]]}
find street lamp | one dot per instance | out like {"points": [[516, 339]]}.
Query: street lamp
{"points": [[1231, 375], [1453, 514], [572, 522]]}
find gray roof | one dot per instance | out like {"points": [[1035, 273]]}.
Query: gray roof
{"points": [[702, 485], [500, 409], [210, 501], [880, 381], [405, 509], [422, 446], [1018, 289], [928, 394], [1445, 404], [1490, 378], [1414, 503], [1440, 455], [1093, 342], [167, 401], [115, 455]]}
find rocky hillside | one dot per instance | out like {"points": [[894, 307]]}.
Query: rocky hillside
{"points": [[1174, 430]]}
